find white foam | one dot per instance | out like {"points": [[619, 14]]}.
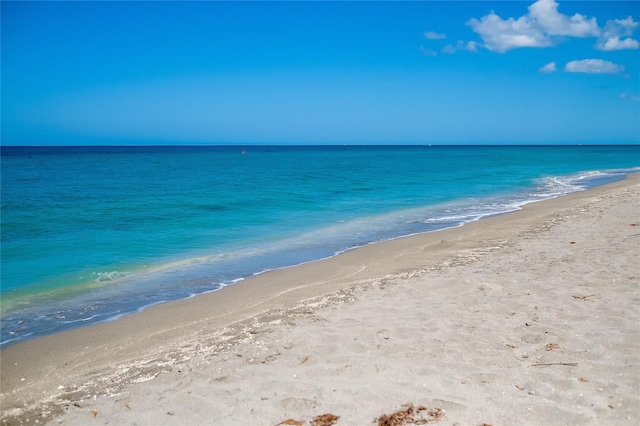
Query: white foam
{"points": [[108, 276]]}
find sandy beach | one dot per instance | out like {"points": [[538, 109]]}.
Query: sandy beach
{"points": [[527, 318]]}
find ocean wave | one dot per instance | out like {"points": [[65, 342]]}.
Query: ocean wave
{"points": [[553, 186]]}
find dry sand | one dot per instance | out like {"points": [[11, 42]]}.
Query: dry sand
{"points": [[530, 317]]}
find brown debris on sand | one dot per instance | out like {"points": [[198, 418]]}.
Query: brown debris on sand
{"points": [[411, 415], [291, 422], [325, 420], [551, 346]]}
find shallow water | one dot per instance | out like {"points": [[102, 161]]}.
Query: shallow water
{"points": [[93, 233]]}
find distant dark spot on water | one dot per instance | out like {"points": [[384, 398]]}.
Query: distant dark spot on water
{"points": [[213, 207]]}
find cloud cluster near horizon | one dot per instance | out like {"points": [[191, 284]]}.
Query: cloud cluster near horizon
{"points": [[543, 26]]}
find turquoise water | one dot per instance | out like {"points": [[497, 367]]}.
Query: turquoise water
{"points": [[93, 233]]}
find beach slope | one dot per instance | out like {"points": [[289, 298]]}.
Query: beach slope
{"points": [[531, 317]]}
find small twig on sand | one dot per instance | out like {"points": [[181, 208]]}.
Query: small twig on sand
{"points": [[585, 297], [546, 364]]}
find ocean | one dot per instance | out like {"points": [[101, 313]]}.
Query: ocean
{"points": [[89, 234]]}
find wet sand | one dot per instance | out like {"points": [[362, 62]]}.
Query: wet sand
{"points": [[530, 317]]}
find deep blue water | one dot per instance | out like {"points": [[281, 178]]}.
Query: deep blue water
{"points": [[93, 233]]}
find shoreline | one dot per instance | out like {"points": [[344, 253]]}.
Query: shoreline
{"points": [[95, 300], [42, 376]]}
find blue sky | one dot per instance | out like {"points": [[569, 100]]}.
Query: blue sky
{"points": [[320, 72]]}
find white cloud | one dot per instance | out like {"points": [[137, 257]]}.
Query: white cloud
{"points": [[630, 97], [449, 49], [501, 35], [546, 16], [427, 51], [613, 33], [623, 27], [593, 66], [431, 35], [615, 43], [470, 46], [549, 68], [540, 27]]}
